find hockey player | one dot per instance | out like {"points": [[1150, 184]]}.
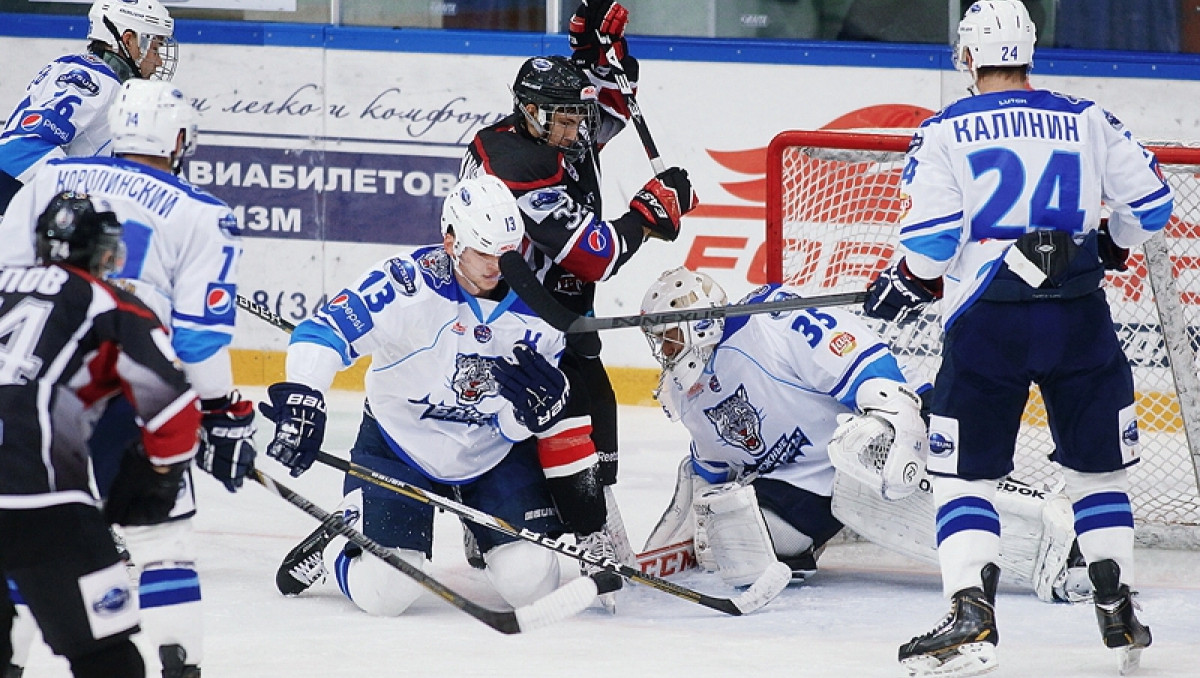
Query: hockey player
{"points": [[547, 152], [74, 342], [774, 403], [448, 409], [183, 252], [1004, 224], [64, 112]]}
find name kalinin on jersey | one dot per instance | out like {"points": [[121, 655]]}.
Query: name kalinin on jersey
{"points": [[1016, 124]]}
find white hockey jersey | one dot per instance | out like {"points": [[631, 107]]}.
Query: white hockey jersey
{"points": [[64, 113], [430, 383], [182, 247], [990, 168], [769, 397]]}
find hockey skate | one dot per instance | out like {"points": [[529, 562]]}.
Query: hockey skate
{"points": [[471, 549], [304, 565], [1072, 584], [599, 544], [964, 642], [173, 658], [1119, 627]]}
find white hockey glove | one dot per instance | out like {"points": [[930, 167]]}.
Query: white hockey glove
{"points": [[885, 446]]}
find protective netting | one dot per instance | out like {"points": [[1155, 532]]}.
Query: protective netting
{"points": [[832, 215]]}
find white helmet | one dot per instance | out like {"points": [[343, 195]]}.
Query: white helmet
{"points": [[109, 19], [996, 33], [484, 215], [677, 290], [146, 119]]}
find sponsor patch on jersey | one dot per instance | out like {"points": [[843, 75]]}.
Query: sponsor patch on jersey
{"points": [[940, 445], [350, 314], [1114, 121], [737, 422], [112, 602], [483, 334], [80, 80], [31, 121], [404, 273], [596, 240], [714, 384], [843, 344], [1129, 436], [220, 302], [916, 142], [458, 328], [228, 224]]}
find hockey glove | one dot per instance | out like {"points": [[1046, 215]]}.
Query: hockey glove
{"points": [[1113, 256], [537, 390], [896, 293], [299, 415], [141, 493], [663, 201], [595, 25], [227, 439]]}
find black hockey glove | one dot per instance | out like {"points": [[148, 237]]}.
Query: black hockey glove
{"points": [[896, 293], [1114, 257], [595, 25], [227, 439], [299, 415], [141, 493], [663, 201], [537, 390]]}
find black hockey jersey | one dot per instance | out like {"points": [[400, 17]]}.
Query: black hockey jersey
{"points": [[68, 342]]}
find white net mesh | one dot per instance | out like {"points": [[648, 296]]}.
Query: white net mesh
{"points": [[832, 215]]}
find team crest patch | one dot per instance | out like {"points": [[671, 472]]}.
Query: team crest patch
{"points": [[737, 422], [473, 379], [435, 266], [483, 334], [404, 273], [220, 302], [842, 344]]}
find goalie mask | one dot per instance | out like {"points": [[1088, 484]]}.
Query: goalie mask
{"points": [[150, 22], [561, 92], [148, 118], [482, 214], [684, 348], [71, 231], [995, 33]]}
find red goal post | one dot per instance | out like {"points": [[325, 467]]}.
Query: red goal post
{"points": [[833, 204]]}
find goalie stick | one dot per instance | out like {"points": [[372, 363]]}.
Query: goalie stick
{"points": [[525, 283], [635, 111], [563, 602], [761, 592]]}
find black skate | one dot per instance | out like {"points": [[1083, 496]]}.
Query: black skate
{"points": [[304, 565], [174, 662], [1119, 627], [803, 564], [13, 671], [964, 642], [471, 549]]}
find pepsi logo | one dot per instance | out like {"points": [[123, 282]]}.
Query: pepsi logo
{"points": [[596, 240], [30, 121], [340, 300], [219, 301]]}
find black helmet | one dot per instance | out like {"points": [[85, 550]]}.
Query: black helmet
{"points": [[71, 231], [555, 85]]}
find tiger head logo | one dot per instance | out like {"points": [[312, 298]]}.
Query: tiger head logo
{"points": [[737, 421], [473, 379]]}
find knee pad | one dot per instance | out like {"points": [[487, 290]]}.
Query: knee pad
{"points": [[731, 535], [376, 587], [521, 572]]}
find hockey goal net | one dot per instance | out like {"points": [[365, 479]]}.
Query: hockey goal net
{"points": [[833, 203]]}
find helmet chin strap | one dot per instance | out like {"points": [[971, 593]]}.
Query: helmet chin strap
{"points": [[123, 52]]}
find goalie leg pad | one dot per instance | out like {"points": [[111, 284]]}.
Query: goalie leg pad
{"points": [[522, 572], [731, 533], [677, 523], [376, 587]]}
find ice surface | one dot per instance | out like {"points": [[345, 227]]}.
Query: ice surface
{"points": [[847, 621]]}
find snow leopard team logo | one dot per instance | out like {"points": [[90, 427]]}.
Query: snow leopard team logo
{"points": [[737, 421], [473, 379], [435, 264]]}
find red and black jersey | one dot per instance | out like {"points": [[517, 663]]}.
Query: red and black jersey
{"points": [[69, 342], [569, 244]]}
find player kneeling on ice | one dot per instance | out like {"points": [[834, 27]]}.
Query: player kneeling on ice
{"points": [[774, 402], [462, 386]]}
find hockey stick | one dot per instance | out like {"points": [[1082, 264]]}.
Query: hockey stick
{"points": [[531, 291], [635, 111], [761, 592], [265, 313], [564, 602]]}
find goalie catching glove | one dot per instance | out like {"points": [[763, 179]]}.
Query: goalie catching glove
{"points": [[886, 446], [537, 390], [663, 201], [227, 439], [299, 415]]}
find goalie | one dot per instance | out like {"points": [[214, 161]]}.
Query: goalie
{"points": [[773, 403]]}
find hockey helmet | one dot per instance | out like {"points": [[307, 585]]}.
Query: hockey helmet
{"points": [[147, 118], [683, 348], [996, 33], [148, 19], [555, 85], [71, 231], [482, 214]]}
